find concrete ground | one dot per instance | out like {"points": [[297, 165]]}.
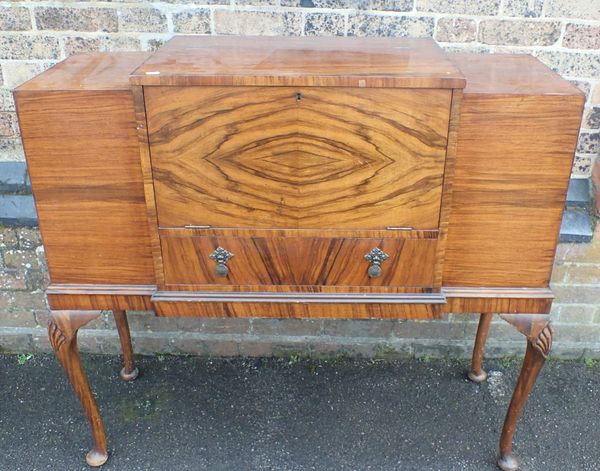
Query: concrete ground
{"points": [[189, 413]]}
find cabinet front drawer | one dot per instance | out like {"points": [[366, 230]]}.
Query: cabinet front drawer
{"points": [[337, 261]]}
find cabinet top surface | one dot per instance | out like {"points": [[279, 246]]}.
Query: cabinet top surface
{"points": [[510, 74], [85, 72], [299, 61]]}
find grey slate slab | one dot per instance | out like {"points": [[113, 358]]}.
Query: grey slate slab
{"points": [[17, 210], [13, 177], [577, 226], [579, 193]]}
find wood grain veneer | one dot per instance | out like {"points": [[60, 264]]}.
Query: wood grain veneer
{"points": [[517, 132], [515, 150], [88, 72], [83, 160], [62, 333], [294, 305], [510, 74], [78, 130], [99, 296], [299, 261], [129, 297], [300, 62], [447, 186], [148, 179], [300, 153], [261, 157]]}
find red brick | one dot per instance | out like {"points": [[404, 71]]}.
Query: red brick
{"points": [[559, 272], [8, 238], [297, 327], [256, 349], [577, 314], [30, 300], [216, 348], [12, 279], [456, 30], [8, 124], [76, 19], [17, 318], [586, 253], [14, 19], [21, 259], [16, 343], [519, 33], [577, 294], [29, 238], [36, 280], [578, 36], [583, 274]]}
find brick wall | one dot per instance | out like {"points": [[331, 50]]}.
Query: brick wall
{"points": [[565, 34]]}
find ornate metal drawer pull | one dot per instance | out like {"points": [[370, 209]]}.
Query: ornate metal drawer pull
{"points": [[221, 256], [376, 256]]}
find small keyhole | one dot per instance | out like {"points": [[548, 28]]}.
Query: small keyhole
{"points": [[298, 97]]}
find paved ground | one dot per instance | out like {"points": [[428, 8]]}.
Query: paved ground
{"points": [[199, 414]]}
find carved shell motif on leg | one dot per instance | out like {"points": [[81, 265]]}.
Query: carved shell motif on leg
{"points": [[543, 342], [56, 336]]}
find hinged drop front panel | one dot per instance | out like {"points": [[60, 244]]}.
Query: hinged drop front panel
{"points": [[297, 158]]}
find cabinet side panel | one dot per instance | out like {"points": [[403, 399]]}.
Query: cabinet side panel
{"points": [[512, 170], [84, 164]]}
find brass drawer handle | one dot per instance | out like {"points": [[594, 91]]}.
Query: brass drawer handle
{"points": [[221, 256], [376, 256]]}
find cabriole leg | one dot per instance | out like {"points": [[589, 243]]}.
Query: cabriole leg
{"points": [[539, 334], [62, 331], [477, 374], [129, 371]]}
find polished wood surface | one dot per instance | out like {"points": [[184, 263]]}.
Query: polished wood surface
{"points": [[539, 334], [83, 161], [518, 300], [447, 186], [300, 61], [301, 153], [129, 371], [513, 165], [477, 374], [302, 302], [483, 230], [298, 261], [510, 74], [148, 180], [64, 297], [268, 232], [297, 305], [62, 332], [266, 158], [93, 71], [72, 296]]}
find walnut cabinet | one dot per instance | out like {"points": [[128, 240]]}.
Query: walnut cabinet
{"points": [[300, 177]]}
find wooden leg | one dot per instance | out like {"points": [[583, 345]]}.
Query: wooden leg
{"points": [[129, 371], [62, 331], [539, 334], [477, 374]]}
